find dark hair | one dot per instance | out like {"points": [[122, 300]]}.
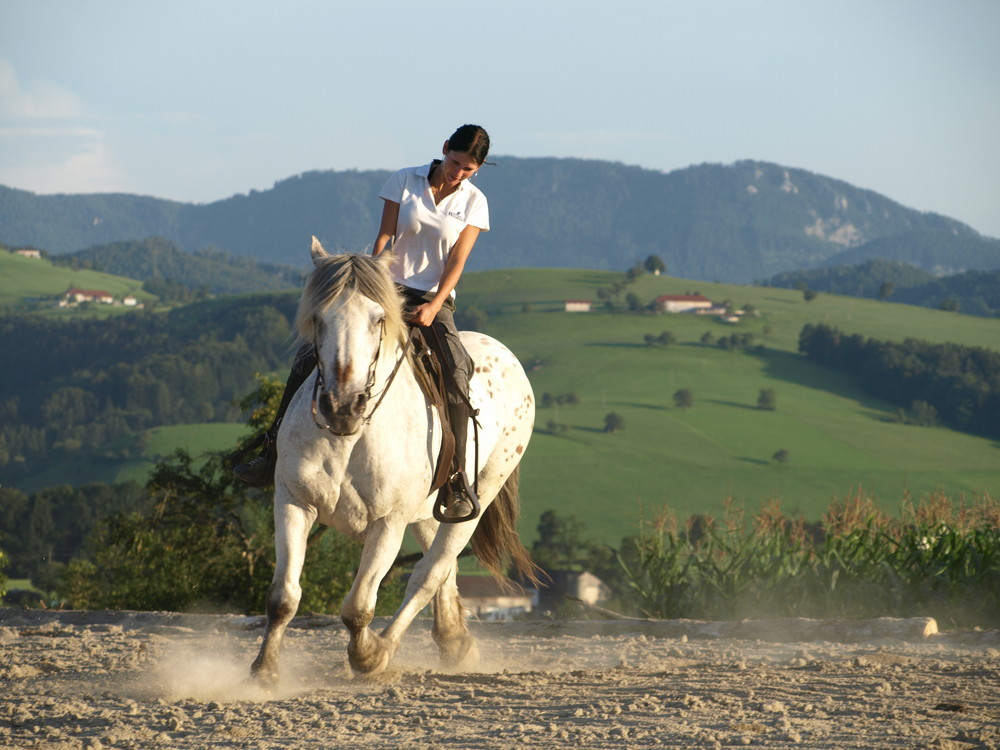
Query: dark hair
{"points": [[472, 140]]}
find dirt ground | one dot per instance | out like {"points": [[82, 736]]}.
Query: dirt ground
{"points": [[151, 680]]}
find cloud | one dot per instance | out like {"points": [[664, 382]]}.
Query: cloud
{"points": [[49, 144], [35, 100]]}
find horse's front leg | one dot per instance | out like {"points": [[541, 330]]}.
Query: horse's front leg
{"points": [[291, 532], [370, 653]]}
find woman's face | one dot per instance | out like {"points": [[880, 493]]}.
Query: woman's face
{"points": [[457, 166]]}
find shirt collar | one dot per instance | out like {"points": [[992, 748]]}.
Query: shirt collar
{"points": [[425, 171]]}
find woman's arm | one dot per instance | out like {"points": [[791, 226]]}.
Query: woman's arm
{"points": [[453, 267], [387, 229]]}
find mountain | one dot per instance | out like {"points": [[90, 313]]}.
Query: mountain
{"points": [[156, 258], [940, 251], [738, 222]]}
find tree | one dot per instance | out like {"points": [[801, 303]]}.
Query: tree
{"points": [[471, 318], [767, 399], [666, 338], [923, 414], [613, 422], [205, 540], [780, 456], [560, 542], [809, 294], [707, 338], [633, 302], [655, 265], [885, 290], [683, 399]]}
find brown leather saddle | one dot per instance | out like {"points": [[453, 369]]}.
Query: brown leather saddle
{"points": [[428, 355]]}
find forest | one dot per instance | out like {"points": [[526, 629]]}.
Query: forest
{"points": [[968, 292], [73, 385], [956, 385]]}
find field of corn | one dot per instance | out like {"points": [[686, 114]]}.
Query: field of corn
{"points": [[936, 558]]}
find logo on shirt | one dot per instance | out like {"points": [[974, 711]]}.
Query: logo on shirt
{"points": [[457, 215]]}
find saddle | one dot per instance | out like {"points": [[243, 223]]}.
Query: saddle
{"points": [[428, 355]]}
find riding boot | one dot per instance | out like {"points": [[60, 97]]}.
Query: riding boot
{"points": [[458, 497], [259, 471]]}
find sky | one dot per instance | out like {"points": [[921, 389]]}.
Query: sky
{"points": [[198, 100]]}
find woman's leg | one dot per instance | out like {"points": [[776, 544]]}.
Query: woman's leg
{"points": [[259, 471]]}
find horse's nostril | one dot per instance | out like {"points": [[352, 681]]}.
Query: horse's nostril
{"points": [[360, 403]]}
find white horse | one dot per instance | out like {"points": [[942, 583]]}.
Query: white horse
{"points": [[369, 474]]}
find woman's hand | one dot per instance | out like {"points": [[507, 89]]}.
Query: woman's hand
{"points": [[424, 314]]}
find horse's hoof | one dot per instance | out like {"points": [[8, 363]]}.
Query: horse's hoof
{"points": [[266, 679], [461, 655], [373, 663]]}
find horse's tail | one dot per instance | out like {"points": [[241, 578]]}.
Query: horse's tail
{"points": [[495, 541]]}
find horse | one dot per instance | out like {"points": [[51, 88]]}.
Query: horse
{"points": [[368, 470]]}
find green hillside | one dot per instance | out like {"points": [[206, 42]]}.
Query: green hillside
{"points": [[837, 437], [25, 279], [160, 442]]}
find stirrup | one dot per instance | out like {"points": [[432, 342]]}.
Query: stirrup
{"points": [[447, 497]]}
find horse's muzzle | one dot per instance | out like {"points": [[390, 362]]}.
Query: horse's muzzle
{"points": [[343, 418]]}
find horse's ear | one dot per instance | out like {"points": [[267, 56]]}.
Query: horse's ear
{"points": [[318, 251]]}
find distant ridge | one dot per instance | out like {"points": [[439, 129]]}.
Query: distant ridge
{"points": [[737, 223]]}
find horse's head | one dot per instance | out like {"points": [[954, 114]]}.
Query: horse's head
{"points": [[349, 306]]}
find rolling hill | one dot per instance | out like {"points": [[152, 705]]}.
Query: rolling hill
{"points": [[733, 223], [837, 438], [25, 279]]}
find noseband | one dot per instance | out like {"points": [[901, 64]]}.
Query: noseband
{"points": [[320, 382]]}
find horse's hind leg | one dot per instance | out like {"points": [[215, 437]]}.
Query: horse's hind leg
{"points": [[456, 646], [291, 532]]}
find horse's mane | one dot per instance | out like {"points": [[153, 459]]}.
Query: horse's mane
{"points": [[335, 276]]}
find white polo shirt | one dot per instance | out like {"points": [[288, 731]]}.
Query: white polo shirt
{"points": [[426, 233]]}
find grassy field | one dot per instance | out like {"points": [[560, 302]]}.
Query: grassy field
{"points": [[162, 441], [33, 278], [837, 438]]}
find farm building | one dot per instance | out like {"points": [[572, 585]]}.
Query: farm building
{"points": [[485, 599], [582, 586], [75, 296], [678, 303], [577, 305], [28, 252]]}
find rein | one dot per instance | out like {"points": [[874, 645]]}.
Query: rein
{"points": [[321, 382]]}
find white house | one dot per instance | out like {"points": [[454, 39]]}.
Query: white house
{"points": [[75, 296], [28, 252], [577, 305], [678, 303], [485, 599]]}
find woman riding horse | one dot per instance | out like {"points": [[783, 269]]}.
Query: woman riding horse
{"points": [[431, 218]]}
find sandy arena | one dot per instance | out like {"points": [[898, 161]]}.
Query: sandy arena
{"points": [[150, 680]]}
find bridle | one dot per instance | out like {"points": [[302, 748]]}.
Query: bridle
{"points": [[320, 382]]}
